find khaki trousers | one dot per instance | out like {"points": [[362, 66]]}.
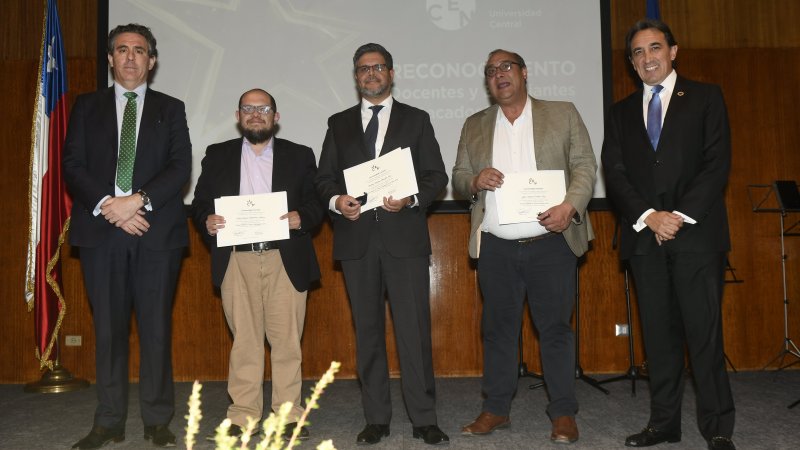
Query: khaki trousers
{"points": [[259, 300]]}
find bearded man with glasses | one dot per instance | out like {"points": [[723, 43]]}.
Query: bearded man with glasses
{"points": [[264, 285], [522, 134], [386, 248]]}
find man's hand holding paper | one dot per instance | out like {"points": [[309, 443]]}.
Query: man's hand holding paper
{"points": [[245, 219], [557, 218], [389, 177], [525, 196]]}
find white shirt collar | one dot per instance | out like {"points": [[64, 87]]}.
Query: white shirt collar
{"points": [[365, 104], [140, 90], [668, 83]]}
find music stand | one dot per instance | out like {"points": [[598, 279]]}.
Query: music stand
{"points": [[788, 199], [633, 372], [579, 375], [522, 368], [733, 279]]}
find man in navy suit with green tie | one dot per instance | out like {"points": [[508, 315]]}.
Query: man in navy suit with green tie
{"points": [[127, 157]]}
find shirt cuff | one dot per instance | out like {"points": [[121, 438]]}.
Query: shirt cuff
{"points": [[640, 225], [686, 218], [332, 204], [96, 211]]}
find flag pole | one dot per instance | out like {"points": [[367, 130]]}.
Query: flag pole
{"points": [[49, 210], [56, 380]]}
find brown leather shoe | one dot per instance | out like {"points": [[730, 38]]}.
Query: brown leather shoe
{"points": [[565, 430], [485, 424]]}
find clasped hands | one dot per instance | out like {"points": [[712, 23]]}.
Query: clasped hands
{"points": [[125, 212], [665, 225], [555, 219], [351, 208]]}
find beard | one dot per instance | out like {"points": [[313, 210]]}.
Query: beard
{"points": [[258, 136], [377, 92]]}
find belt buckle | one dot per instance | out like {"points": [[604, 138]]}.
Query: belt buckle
{"points": [[259, 246], [533, 239]]}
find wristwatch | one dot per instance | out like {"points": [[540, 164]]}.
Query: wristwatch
{"points": [[145, 200]]}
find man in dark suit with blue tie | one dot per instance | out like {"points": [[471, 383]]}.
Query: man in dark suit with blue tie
{"points": [[667, 154], [387, 248], [127, 157]]}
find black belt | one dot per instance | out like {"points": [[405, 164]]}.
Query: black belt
{"points": [[256, 247], [536, 238]]}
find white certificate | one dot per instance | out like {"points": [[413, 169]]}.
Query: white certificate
{"points": [[526, 194], [252, 218], [390, 174]]}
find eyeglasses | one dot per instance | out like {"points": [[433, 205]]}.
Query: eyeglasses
{"points": [[363, 70], [251, 109], [504, 66]]}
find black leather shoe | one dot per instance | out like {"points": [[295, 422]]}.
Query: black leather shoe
{"points": [[233, 431], [98, 437], [288, 430], [720, 443], [431, 434], [372, 434], [651, 436], [160, 435]]}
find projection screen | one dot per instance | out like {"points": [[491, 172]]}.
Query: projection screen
{"points": [[210, 51]]}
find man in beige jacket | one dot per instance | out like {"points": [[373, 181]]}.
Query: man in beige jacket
{"points": [[538, 258]]}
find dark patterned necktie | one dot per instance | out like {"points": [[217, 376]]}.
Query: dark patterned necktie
{"points": [[371, 132], [127, 144], [654, 116]]}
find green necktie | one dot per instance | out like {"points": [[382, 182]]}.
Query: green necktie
{"points": [[127, 144]]}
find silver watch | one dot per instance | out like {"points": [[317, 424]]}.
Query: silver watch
{"points": [[145, 199]]}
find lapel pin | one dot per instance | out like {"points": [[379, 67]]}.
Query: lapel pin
{"points": [[680, 93]]}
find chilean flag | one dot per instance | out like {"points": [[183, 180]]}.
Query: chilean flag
{"points": [[653, 11], [49, 202]]}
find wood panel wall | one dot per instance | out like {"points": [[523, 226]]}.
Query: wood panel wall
{"points": [[752, 49]]}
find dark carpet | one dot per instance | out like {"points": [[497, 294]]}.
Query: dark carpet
{"points": [[764, 421]]}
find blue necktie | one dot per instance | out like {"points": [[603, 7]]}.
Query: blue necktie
{"points": [[654, 116], [371, 132]]}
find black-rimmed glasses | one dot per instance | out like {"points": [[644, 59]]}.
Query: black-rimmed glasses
{"points": [[363, 70], [504, 66]]}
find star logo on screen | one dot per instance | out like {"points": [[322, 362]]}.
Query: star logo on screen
{"points": [[451, 15]]}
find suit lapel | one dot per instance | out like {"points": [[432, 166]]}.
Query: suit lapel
{"points": [[540, 127], [109, 117], [486, 136], [279, 155], [395, 122], [354, 126], [634, 113], [150, 119], [677, 102], [233, 166]]}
